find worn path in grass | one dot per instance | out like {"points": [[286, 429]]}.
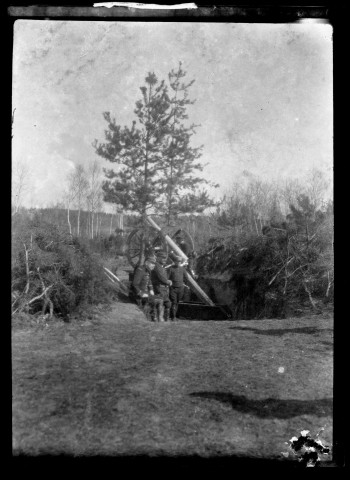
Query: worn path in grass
{"points": [[117, 384]]}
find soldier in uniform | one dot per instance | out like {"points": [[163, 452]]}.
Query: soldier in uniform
{"points": [[161, 283], [181, 243], [176, 293], [143, 293]]}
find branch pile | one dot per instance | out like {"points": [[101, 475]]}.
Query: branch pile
{"points": [[52, 271], [289, 267]]}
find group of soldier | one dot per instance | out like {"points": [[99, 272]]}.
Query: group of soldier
{"points": [[158, 288]]}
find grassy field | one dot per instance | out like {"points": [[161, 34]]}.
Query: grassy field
{"points": [[115, 384]]}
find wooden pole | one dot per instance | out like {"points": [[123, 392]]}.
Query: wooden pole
{"points": [[115, 278]]}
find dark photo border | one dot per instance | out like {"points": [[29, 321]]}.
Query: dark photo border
{"points": [[337, 16]]}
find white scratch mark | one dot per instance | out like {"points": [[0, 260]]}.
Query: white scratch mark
{"points": [[151, 6], [313, 21]]}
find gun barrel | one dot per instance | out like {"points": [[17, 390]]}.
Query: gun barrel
{"points": [[168, 240], [194, 285]]}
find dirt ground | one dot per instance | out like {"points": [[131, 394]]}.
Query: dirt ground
{"points": [[115, 384]]}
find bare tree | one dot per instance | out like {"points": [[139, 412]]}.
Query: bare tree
{"points": [[289, 193], [316, 187], [98, 208], [70, 194], [258, 198], [21, 176], [111, 225], [81, 185], [94, 192]]}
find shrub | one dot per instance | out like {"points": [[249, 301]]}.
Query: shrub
{"points": [[275, 274], [53, 270]]}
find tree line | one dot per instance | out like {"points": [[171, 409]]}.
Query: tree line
{"points": [[156, 170], [277, 242]]}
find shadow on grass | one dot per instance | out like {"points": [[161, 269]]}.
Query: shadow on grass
{"points": [[284, 331], [271, 407]]}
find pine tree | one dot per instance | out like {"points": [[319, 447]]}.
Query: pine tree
{"points": [[179, 157], [156, 161], [137, 150]]}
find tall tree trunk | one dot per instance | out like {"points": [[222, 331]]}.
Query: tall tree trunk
{"points": [[110, 227], [193, 228], [96, 227], [256, 225], [69, 224], [27, 270], [99, 225], [78, 223], [307, 290], [92, 224]]}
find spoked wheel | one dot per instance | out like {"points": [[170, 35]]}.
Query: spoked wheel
{"points": [[152, 241]]}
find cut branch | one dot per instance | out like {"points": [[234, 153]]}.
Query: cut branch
{"points": [[115, 280], [279, 271], [47, 301], [26, 290], [41, 295], [307, 290]]}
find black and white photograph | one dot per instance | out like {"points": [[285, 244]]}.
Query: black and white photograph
{"points": [[172, 264]]}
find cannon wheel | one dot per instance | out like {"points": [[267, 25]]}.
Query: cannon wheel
{"points": [[153, 242]]}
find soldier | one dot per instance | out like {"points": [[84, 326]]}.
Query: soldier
{"points": [[181, 243], [161, 283], [142, 290], [176, 293]]}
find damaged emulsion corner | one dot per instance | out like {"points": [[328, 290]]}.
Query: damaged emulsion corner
{"points": [[309, 451]]}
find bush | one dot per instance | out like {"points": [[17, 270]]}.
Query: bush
{"points": [[288, 268], [53, 270]]}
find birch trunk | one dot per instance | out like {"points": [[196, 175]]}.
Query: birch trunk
{"points": [[68, 219], [78, 223], [110, 227]]}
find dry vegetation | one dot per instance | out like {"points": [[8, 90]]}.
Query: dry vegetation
{"points": [[116, 384], [53, 272], [107, 382]]}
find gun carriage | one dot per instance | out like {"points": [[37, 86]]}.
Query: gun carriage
{"points": [[142, 242]]}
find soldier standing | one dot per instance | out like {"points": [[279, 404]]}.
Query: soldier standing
{"points": [[176, 293], [143, 292], [161, 283], [181, 243]]}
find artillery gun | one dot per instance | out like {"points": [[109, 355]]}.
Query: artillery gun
{"points": [[150, 239]]}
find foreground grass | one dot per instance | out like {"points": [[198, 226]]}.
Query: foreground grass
{"points": [[116, 384]]}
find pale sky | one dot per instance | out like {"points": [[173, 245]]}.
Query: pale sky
{"points": [[264, 94]]}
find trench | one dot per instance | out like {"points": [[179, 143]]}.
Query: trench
{"points": [[242, 294]]}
